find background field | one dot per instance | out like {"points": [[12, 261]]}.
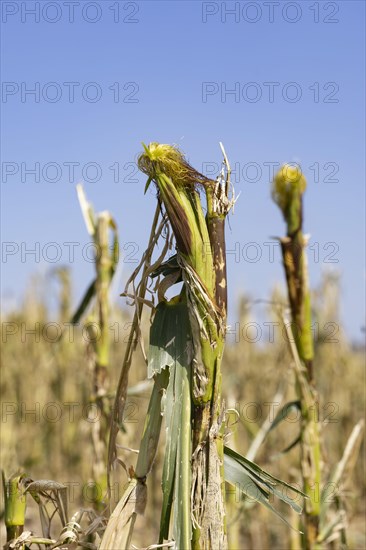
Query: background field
{"points": [[46, 389]]}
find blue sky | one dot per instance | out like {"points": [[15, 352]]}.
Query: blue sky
{"points": [[163, 71]]}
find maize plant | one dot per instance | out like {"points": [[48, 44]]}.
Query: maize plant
{"points": [[288, 187], [99, 228], [186, 347]]}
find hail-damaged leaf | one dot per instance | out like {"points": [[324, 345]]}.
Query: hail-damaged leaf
{"points": [[258, 484], [176, 470], [170, 337]]}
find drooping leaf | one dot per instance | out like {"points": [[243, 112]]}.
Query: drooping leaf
{"points": [[284, 411], [280, 417], [288, 448], [256, 483], [167, 268], [89, 294]]}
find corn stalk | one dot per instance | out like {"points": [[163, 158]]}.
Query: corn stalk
{"points": [[201, 258], [288, 188], [99, 228], [15, 504]]}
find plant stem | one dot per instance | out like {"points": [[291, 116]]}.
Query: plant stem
{"points": [[289, 185], [15, 504]]}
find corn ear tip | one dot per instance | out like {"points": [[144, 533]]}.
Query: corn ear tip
{"points": [[289, 174], [287, 180]]}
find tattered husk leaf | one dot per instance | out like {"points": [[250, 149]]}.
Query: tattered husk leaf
{"points": [[176, 181], [160, 158], [119, 530]]}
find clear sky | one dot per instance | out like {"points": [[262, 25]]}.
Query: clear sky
{"points": [[274, 81]]}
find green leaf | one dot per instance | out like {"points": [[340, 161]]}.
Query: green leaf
{"points": [[167, 268], [147, 185], [152, 427], [115, 247], [280, 417], [283, 413], [89, 294], [170, 345], [170, 337], [256, 483], [288, 448]]}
